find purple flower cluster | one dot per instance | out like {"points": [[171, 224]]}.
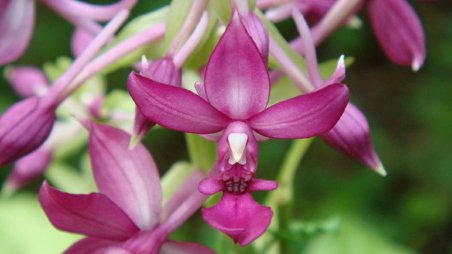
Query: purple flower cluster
{"points": [[230, 108]]}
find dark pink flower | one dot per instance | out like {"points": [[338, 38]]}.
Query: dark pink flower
{"points": [[125, 215], [232, 104]]}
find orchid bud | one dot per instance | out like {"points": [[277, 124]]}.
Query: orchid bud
{"points": [[351, 135], [28, 168], [23, 128], [399, 31], [27, 81], [80, 40]]}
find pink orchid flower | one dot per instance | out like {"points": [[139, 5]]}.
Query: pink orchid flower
{"points": [[124, 217], [231, 108]]}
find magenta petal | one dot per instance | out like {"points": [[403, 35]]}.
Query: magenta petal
{"points": [[236, 79], [89, 245], [80, 40], [303, 116], [29, 167], [163, 71], [175, 108], [210, 186], [239, 216], [258, 33], [94, 214], [399, 31], [262, 185], [174, 247], [23, 127], [16, 27], [351, 135], [128, 177], [27, 81]]}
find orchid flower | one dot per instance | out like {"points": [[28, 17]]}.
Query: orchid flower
{"points": [[231, 105], [351, 134], [125, 215]]}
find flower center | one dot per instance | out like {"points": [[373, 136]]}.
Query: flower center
{"points": [[237, 184]]}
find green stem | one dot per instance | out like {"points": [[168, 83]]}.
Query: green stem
{"points": [[202, 152], [282, 197]]}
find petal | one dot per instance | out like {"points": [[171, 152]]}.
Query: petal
{"points": [[129, 177], [175, 108], [339, 73], [257, 32], [239, 216], [112, 250], [303, 116], [27, 81], [80, 9], [16, 27], [351, 135], [163, 71], [174, 247], [89, 245], [28, 168], [93, 214], [80, 40], [399, 31], [236, 79], [262, 185], [24, 127], [210, 186]]}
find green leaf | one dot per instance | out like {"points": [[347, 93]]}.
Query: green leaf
{"points": [[222, 9], [56, 69], [174, 178], [202, 152], [26, 230], [178, 12], [355, 237], [118, 100], [67, 178]]}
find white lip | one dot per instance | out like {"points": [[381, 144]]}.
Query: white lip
{"points": [[237, 143]]}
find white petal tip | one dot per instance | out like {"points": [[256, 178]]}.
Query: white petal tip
{"points": [[144, 62], [341, 61], [381, 170], [237, 144], [134, 140], [416, 65]]}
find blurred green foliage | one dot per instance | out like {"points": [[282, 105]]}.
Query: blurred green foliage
{"points": [[339, 205]]}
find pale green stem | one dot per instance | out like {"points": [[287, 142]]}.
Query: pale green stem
{"points": [[284, 194], [201, 151]]}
